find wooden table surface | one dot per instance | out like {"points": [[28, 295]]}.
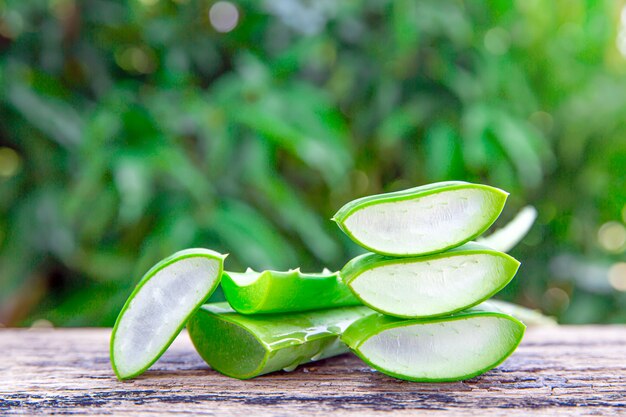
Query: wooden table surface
{"points": [[556, 371]]}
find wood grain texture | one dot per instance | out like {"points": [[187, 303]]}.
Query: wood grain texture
{"points": [[556, 371]]}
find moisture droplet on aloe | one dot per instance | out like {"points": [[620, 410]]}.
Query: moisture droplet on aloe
{"points": [[430, 285], [159, 307], [254, 292], [450, 348], [243, 346], [421, 220]]}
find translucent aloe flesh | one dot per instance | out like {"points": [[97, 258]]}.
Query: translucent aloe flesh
{"points": [[450, 348], [432, 285], [159, 307], [244, 346], [254, 292], [421, 220]]}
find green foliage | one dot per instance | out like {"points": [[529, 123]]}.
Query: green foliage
{"points": [[130, 130]]}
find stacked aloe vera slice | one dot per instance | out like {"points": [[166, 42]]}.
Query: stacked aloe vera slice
{"points": [[424, 278], [411, 308]]}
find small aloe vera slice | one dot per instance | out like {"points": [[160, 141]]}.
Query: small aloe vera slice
{"points": [[432, 285], [243, 346], [159, 307], [421, 220], [512, 233], [450, 348], [254, 292], [526, 315]]}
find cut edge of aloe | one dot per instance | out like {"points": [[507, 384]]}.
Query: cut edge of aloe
{"points": [[245, 297], [350, 208], [270, 291], [205, 313], [366, 328], [181, 320], [246, 346], [357, 266]]}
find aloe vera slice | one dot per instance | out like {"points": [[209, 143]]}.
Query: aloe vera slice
{"points": [[432, 285], [243, 346], [526, 315], [159, 307], [421, 220], [450, 348], [512, 233], [254, 292]]}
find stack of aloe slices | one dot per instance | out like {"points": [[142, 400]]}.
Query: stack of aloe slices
{"points": [[412, 308]]}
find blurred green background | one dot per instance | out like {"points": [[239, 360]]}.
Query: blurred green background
{"points": [[130, 130]]}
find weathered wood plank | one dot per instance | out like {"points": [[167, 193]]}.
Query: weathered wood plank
{"points": [[556, 371]]}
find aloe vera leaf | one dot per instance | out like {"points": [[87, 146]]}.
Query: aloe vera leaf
{"points": [[243, 346], [254, 292], [433, 285], [512, 233], [526, 315], [158, 308], [450, 348], [421, 220]]}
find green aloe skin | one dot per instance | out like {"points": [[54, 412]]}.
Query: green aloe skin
{"points": [[443, 349], [432, 285], [243, 346], [421, 220], [159, 307], [254, 292]]}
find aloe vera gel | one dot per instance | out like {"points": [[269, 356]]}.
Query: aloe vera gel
{"points": [[423, 275], [449, 348], [421, 220], [432, 285], [159, 307]]}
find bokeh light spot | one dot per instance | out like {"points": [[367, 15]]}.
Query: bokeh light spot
{"points": [[497, 41], [617, 276], [62, 9], [620, 40], [542, 120], [42, 324], [11, 24], [137, 59], [223, 16], [612, 236], [555, 300], [148, 2], [9, 162]]}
